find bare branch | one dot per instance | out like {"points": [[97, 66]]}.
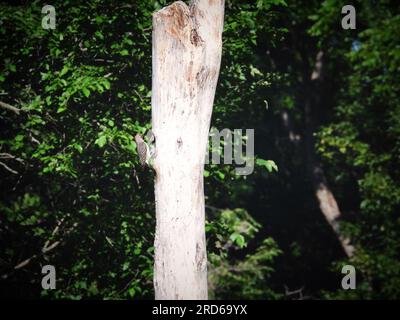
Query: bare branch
{"points": [[46, 248], [25, 262], [8, 168], [7, 106], [46, 244], [51, 247], [4, 155]]}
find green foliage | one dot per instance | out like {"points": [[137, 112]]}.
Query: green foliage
{"points": [[268, 164], [229, 276], [84, 90], [75, 196], [365, 140]]}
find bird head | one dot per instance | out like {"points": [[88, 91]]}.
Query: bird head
{"points": [[138, 138]]}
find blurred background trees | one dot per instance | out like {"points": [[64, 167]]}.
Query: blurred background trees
{"points": [[74, 195]]}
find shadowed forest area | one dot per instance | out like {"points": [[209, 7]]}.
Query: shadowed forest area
{"points": [[324, 104]]}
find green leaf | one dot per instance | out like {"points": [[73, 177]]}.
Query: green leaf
{"points": [[221, 175], [106, 84], [86, 92], [268, 164], [78, 147], [101, 141], [99, 19], [63, 71], [99, 34], [238, 239], [124, 52], [131, 292], [125, 266], [61, 108]]}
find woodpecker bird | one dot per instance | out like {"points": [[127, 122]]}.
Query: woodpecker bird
{"points": [[145, 151]]}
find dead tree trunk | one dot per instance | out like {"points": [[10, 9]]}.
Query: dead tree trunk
{"points": [[326, 200], [187, 46]]}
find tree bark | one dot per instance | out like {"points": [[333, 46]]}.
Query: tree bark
{"points": [[187, 46]]}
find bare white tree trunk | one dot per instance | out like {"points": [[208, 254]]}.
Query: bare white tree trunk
{"points": [[187, 46]]}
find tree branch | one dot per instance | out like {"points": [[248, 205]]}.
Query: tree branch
{"points": [[47, 247], [4, 155], [7, 106], [8, 168]]}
